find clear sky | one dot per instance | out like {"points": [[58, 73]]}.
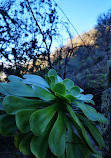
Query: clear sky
{"points": [[83, 13]]}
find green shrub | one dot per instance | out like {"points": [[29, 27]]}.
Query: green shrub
{"points": [[49, 117], [90, 75], [103, 76], [93, 82]]}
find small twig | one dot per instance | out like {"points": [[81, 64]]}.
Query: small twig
{"points": [[44, 40]]}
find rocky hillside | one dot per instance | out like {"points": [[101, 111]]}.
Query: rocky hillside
{"points": [[87, 64]]}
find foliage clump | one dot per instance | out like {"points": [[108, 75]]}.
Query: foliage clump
{"points": [[50, 117]]}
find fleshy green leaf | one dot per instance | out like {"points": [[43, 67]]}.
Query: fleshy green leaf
{"points": [[24, 145], [90, 112], [94, 131], [62, 98], [39, 82], [52, 72], [59, 79], [18, 138], [1, 103], [89, 101], [28, 81], [75, 91], [75, 146], [85, 97], [70, 97], [43, 94], [50, 80], [63, 156], [14, 78], [81, 90], [22, 120], [41, 118], [4, 88], [68, 92], [68, 83], [57, 136], [59, 88], [20, 89], [97, 155], [39, 144], [47, 79], [53, 81], [84, 133], [35, 79], [7, 124], [13, 104]]}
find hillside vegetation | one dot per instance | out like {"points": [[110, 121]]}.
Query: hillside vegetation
{"points": [[84, 58]]}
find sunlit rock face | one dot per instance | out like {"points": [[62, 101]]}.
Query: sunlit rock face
{"points": [[3, 76]]}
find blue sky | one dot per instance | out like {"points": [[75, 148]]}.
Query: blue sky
{"points": [[83, 13]]}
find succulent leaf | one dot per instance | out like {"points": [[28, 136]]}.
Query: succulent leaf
{"points": [[85, 97], [20, 89], [75, 91], [4, 88], [57, 140], [24, 145], [90, 112], [52, 72], [43, 94], [22, 120], [59, 79], [68, 83], [35, 80], [41, 142], [13, 104], [41, 118], [7, 125], [93, 129], [1, 103], [59, 88], [13, 78], [76, 147], [84, 133]]}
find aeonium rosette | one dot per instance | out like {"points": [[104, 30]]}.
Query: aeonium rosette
{"points": [[50, 117]]}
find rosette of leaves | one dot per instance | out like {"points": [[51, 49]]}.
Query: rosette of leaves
{"points": [[50, 117]]}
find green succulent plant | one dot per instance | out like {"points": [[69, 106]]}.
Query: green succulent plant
{"points": [[50, 117]]}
